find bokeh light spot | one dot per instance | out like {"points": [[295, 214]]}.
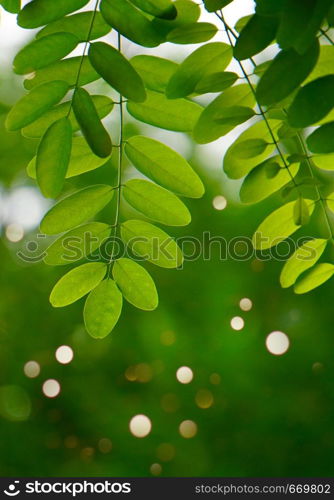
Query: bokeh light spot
{"points": [[245, 304], [51, 388], [188, 429], [277, 343], [237, 323], [32, 369], [219, 202], [204, 399], [105, 445], [64, 354], [14, 232], [184, 375], [140, 426], [155, 469]]}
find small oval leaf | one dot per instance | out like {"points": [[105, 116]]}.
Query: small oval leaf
{"points": [[164, 166], [151, 243], [156, 203], [79, 25], [136, 284], [90, 123], [53, 156], [76, 208], [102, 309], [40, 12], [77, 283], [192, 33], [154, 71], [321, 140], [314, 278]]}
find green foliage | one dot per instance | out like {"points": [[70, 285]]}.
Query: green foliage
{"points": [[53, 156], [90, 123], [77, 283], [12, 6], [270, 153]]}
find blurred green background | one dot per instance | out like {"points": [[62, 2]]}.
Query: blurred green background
{"points": [[252, 413]]}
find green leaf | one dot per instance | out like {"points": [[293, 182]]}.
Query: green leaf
{"points": [[40, 12], [66, 70], [302, 259], [312, 103], [41, 53], [53, 156], [241, 23], [325, 63], [321, 140], [233, 115], [301, 214], [314, 278], [12, 6], [325, 162], [250, 148], [136, 284], [154, 71], [77, 283], [213, 5], [330, 202], [90, 123], [192, 33], [82, 160], [77, 244], [102, 309], [286, 72], [130, 22], [117, 71], [157, 8], [261, 183], [151, 243], [278, 226], [269, 7], [236, 167], [32, 106], [203, 61], [258, 33], [164, 166], [208, 129], [103, 105], [187, 12], [156, 203], [78, 24], [216, 82], [179, 115], [76, 208]]}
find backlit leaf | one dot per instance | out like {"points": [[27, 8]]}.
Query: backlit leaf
{"points": [[30, 107], [286, 72], [212, 57], [116, 70], [157, 8], [40, 12], [130, 22], [259, 184], [314, 278], [278, 226], [77, 283], [53, 156], [179, 115], [156, 203], [213, 5], [187, 12], [302, 259], [102, 309], [250, 148], [301, 214], [258, 33], [82, 160], [164, 166], [216, 82], [66, 70], [330, 202], [208, 128], [321, 140], [79, 25], [103, 105], [312, 103], [90, 123], [136, 284], [76, 208], [154, 71], [151, 243], [41, 53], [12, 6], [77, 244], [192, 33]]}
